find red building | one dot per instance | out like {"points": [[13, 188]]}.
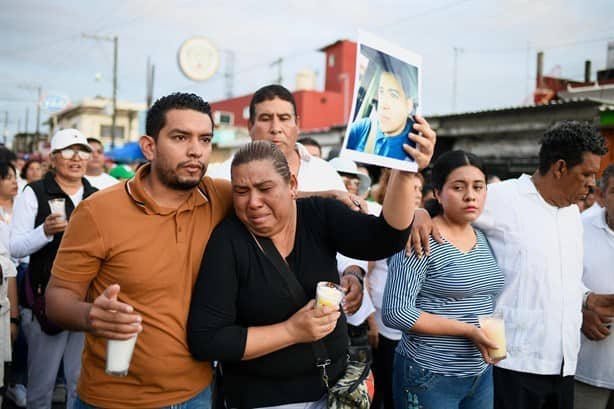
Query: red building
{"points": [[317, 110], [549, 89]]}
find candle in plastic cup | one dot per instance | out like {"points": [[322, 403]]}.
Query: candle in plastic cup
{"points": [[494, 327], [57, 206], [119, 354], [328, 294]]}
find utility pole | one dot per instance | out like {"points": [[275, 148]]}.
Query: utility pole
{"points": [[151, 70], [279, 63], [528, 63], [38, 110], [39, 90], [114, 115], [457, 51], [229, 74], [6, 122], [114, 118], [27, 114]]}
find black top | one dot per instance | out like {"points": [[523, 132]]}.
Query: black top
{"points": [[239, 287], [41, 260]]}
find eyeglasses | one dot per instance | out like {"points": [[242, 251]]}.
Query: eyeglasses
{"points": [[70, 153]]}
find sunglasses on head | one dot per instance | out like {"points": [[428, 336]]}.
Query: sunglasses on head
{"points": [[69, 153]]}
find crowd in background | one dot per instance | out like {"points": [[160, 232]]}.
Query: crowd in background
{"points": [[476, 245], [17, 172]]}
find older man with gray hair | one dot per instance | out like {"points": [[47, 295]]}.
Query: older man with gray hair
{"points": [[594, 386]]}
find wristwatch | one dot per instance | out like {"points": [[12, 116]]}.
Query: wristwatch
{"points": [[585, 299], [356, 274]]}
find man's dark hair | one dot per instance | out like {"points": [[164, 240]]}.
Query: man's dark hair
{"points": [[607, 174], [268, 93], [406, 74], [569, 140], [94, 140], [7, 155], [156, 116], [4, 169], [307, 141]]}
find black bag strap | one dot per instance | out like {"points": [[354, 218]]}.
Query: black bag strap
{"points": [[298, 294], [296, 289]]}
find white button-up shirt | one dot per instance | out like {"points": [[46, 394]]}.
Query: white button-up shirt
{"points": [[25, 238], [596, 359], [314, 174], [539, 249]]}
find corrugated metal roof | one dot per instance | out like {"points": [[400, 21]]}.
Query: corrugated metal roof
{"points": [[606, 105]]}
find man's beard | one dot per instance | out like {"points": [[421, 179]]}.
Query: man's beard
{"points": [[169, 177]]}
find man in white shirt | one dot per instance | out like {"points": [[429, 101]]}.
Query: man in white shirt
{"points": [[95, 166], [595, 371], [272, 117], [535, 232], [534, 229]]}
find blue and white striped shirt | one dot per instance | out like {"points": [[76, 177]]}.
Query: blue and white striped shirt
{"points": [[451, 284]]}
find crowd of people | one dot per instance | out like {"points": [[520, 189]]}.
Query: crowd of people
{"points": [[214, 271]]}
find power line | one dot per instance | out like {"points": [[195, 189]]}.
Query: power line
{"points": [[22, 50], [427, 12], [16, 99], [540, 47]]}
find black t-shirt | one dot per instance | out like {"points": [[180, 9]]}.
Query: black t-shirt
{"points": [[238, 287]]}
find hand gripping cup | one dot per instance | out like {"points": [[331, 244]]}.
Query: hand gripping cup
{"points": [[58, 206], [494, 327], [119, 354], [328, 294]]}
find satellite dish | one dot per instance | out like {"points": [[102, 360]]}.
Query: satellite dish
{"points": [[198, 59]]}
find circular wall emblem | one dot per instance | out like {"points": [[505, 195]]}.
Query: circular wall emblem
{"points": [[198, 59]]}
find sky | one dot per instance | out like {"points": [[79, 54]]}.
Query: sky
{"points": [[496, 43]]}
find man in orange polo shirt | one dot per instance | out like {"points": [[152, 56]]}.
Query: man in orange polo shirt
{"points": [[130, 257]]}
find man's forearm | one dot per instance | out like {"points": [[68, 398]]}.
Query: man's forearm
{"points": [[66, 309]]}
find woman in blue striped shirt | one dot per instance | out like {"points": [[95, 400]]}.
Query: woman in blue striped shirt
{"points": [[442, 360]]}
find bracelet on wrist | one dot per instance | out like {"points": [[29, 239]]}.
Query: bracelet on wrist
{"points": [[15, 320], [355, 274]]}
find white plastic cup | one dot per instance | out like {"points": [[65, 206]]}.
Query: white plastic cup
{"points": [[328, 294], [494, 327], [119, 355], [58, 206]]}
